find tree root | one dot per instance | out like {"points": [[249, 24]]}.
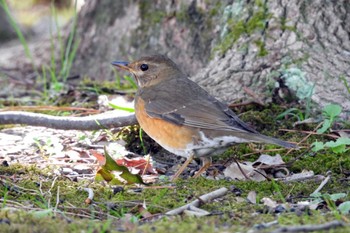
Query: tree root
{"points": [[94, 122]]}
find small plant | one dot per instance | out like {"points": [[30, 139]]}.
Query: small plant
{"points": [[44, 147], [66, 55], [346, 83], [330, 200], [131, 82], [293, 112], [330, 113], [338, 146]]}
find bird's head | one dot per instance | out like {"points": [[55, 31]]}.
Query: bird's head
{"points": [[150, 70]]}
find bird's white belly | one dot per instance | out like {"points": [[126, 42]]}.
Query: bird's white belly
{"points": [[206, 146]]}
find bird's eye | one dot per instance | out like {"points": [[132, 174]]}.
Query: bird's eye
{"points": [[144, 67]]}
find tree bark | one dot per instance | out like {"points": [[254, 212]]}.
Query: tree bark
{"points": [[311, 36], [227, 45]]}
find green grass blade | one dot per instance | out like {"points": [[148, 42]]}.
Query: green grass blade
{"points": [[65, 65], [15, 26], [121, 108]]}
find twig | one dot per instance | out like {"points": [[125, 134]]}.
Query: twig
{"points": [[6, 183], [298, 157], [14, 203], [309, 228], [309, 132], [254, 95], [159, 187], [306, 137], [240, 169], [195, 211], [235, 105], [299, 177], [90, 196], [49, 191], [57, 198], [257, 171], [93, 122], [323, 183], [202, 199]]}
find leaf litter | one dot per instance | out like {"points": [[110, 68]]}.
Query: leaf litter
{"points": [[70, 152]]}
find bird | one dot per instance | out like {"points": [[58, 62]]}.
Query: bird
{"points": [[183, 117]]}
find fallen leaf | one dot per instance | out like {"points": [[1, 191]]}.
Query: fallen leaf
{"points": [[269, 160], [252, 197], [100, 157], [144, 212], [269, 202], [235, 173], [142, 164], [112, 172], [344, 207]]}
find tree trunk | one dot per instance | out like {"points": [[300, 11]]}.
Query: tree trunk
{"points": [[6, 31], [309, 39], [110, 30], [227, 45]]}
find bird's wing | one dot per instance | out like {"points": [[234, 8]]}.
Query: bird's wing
{"points": [[200, 110]]}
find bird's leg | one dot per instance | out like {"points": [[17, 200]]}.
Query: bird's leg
{"points": [[182, 168], [206, 162]]}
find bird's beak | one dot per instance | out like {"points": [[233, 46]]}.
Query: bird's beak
{"points": [[122, 65]]}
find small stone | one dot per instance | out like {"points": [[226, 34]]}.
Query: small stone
{"points": [[67, 170], [118, 189]]}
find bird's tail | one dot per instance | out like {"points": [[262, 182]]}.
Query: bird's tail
{"points": [[271, 140], [256, 137]]}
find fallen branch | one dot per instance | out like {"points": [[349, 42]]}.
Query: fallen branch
{"points": [[309, 228], [202, 199], [93, 122]]}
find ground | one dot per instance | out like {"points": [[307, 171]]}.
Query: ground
{"points": [[47, 176], [43, 185]]}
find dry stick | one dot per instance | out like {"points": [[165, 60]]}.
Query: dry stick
{"points": [[299, 177], [309, 228], [18, 188], [323, 183], [298, 157], [202, 199], [90, 197], [309, 132], [57, 198], [94, 122], [235, 105], [306, 137], [254, 95]]}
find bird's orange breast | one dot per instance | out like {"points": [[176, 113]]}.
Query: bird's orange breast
{"points": [[172, 137]]}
